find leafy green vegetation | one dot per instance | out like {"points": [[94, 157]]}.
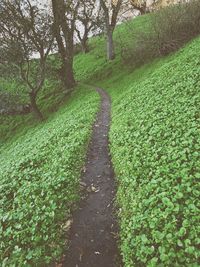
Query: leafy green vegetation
{"points": [[155, 149], [155, 142], [40, 182]]}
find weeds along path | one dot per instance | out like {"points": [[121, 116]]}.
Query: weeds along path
{"points": [[94, 229]]}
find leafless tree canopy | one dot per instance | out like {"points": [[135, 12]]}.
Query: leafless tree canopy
{"points": [[88, 20]]}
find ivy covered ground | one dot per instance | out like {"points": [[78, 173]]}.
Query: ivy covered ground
{"points": [[39, 183], [155, 144]]}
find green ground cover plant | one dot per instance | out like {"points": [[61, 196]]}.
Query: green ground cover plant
{"points": [[154, 141], [155, 144], [39, 174], [155, 148]]}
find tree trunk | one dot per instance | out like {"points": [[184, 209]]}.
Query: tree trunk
{"points": [[65, 50], [34, 107], [110, 45], [68, 74], [84, 45], [143, 11]]}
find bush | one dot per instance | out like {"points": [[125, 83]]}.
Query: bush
{"points": [[175, 26], [170, 28], [155, 147]]}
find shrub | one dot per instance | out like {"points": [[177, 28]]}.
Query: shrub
{"points": [[175, 26], [170, 28]]}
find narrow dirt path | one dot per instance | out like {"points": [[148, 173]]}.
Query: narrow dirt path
{"points": [[93, 233]]}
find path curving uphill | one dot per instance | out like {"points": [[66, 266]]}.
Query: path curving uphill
{"points": [[93, 235]]}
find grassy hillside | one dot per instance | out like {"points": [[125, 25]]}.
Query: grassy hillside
{"points": [[154, 141], [50, 99], [155, 144], [93, 66], [39, 174]]}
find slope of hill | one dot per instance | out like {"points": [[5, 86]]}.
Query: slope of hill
{"points": [[154, 141], [155, 144], [50, 99], [39, 182]]}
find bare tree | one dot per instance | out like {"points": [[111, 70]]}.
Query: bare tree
{"points": [[140, 5], [145, 6], [65, 16], [88, 20], [26, 31], [111, 10]]}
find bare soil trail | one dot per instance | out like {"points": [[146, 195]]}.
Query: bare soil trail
{"points": [[93, 234]]}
